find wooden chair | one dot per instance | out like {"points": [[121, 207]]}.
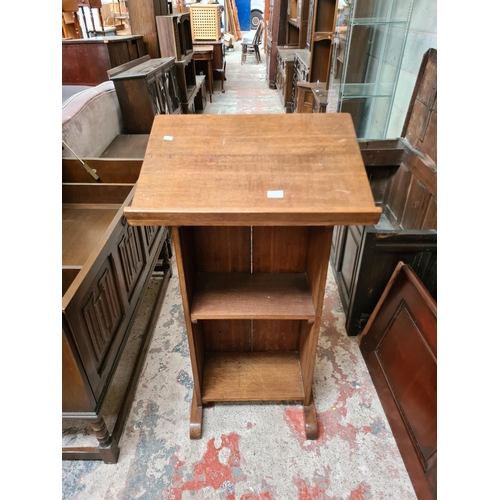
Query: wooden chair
{"points": [[251, 46]]}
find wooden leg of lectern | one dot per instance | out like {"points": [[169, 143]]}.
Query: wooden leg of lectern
{"points": [[196, 420], [310, 420]]}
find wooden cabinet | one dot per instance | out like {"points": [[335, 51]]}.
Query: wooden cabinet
{"points": [[275, 36], [313, 57], [106, 264], [399, 345], [174, 35], [284, 78], [252, 253], [146, 88], [303, 91], [175, 39], [297, 23], [320, 102], [322, 30], [86, 61], [403, 178]]}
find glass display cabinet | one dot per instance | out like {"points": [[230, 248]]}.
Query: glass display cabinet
{"points": [[375, 38]]}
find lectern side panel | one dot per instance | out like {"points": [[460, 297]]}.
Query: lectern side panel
{"points": [[227, 335], [222, 249], [317, 268], [184, 253], [281, 249], [188, 260], [318, 254], [275, 335]]}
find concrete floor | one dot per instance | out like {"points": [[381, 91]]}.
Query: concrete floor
{"points": [[248, 451]]}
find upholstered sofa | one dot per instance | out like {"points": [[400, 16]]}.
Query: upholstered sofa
{"points": [[92, 125]]}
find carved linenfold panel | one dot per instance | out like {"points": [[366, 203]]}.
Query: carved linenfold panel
{"points": [[131, 258], [150, 232], [102, 313]]}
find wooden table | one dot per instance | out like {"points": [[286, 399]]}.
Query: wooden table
{"points": [[206, 53], [252, 203]]}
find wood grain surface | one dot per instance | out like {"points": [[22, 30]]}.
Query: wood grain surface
{"points": [[219, 170]]}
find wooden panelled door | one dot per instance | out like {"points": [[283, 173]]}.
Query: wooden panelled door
{"points": [[399, 345]]}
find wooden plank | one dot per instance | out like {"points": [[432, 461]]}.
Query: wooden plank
{"points": [[110, 171], [249, 376], [244, 170], [222, 249], [275, 335], [98, 193], [252, 296], [127, 146], [228, 335], [76, 222]]}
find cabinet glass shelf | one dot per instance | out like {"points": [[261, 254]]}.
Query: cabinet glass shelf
{"points": [[351, 90], [371, 58], [375, 21]]}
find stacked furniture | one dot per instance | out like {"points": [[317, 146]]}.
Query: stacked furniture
{"points": [[403, 178], [310, 28], [314, 60], [275, 37], [175, 40], [208, 38], [106, 267], [145, 88]]}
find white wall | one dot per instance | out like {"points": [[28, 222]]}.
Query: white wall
{"points": [[422, 35]]}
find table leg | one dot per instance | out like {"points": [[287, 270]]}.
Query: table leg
{"points": [[210, 78]]}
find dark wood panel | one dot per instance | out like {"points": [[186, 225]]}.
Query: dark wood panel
{"points": [[416, 204], [420, 128], [399, 345], [395, 199], [74, 393], [86, 61]]}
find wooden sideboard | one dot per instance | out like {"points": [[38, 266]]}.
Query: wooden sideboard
{"points": [[106, 265], [284, 76], [252, 241], [145, 88], [86, 61]]}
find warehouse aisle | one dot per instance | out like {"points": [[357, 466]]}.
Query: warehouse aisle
{"points": [[246, 89], [248, 451]]}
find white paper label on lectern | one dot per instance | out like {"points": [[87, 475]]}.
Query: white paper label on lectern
{"points": [[275, 194]]}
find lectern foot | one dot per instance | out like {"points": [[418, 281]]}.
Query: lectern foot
{"points": [[195, 421], [311, 421]]}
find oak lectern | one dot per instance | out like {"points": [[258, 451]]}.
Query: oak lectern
{"points": [[252, 201]]}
